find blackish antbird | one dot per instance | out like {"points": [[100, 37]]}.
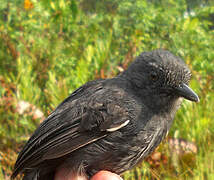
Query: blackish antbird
{"points": [[109, 124]]}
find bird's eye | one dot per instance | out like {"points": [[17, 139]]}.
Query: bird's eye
{"points": [[154, 76]]}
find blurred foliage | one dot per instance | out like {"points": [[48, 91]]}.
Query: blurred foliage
{"points": [[49, 48]]}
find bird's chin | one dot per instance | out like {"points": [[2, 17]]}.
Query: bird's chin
{"points": [[179, 101], [175, 105]]}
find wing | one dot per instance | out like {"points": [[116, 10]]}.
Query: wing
{"points": [[89, 114]]}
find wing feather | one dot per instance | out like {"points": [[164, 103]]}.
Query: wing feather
{"points": [[84, 117]]}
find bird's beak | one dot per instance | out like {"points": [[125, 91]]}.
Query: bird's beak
{"points": [[185, 91]]}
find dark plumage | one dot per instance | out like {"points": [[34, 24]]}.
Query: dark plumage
{"points": [[109, 124]]}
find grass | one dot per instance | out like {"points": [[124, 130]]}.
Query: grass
{"points": [[48, 49]]}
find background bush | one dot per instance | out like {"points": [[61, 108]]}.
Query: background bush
{"points": [[49, 48]]}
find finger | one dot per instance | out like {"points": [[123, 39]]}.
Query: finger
{"points": [[106, 175]]}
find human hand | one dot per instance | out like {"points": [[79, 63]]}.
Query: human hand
{"points": [[64, 174], [106, 175]]}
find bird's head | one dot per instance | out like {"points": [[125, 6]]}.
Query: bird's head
{"points": [[160, 77]]}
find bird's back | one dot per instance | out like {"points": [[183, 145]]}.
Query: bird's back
{"points": [[86, 117]]}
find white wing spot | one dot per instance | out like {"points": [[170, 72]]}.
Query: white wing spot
{"points": [[118, 127]]}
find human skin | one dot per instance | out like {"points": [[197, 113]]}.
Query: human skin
{"points": [[64, 174]]}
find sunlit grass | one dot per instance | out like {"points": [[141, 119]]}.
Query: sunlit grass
{"points": [[52, 48]]}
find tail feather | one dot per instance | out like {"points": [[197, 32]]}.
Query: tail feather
{"points": [[36, 175], [32, 175]]}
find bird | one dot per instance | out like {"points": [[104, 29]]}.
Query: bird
{"points": [[109, 124]]}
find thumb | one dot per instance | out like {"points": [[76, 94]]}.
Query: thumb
{"points": [[106, 175]]}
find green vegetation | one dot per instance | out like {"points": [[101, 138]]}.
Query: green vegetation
{"points": [[49, 48]]}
